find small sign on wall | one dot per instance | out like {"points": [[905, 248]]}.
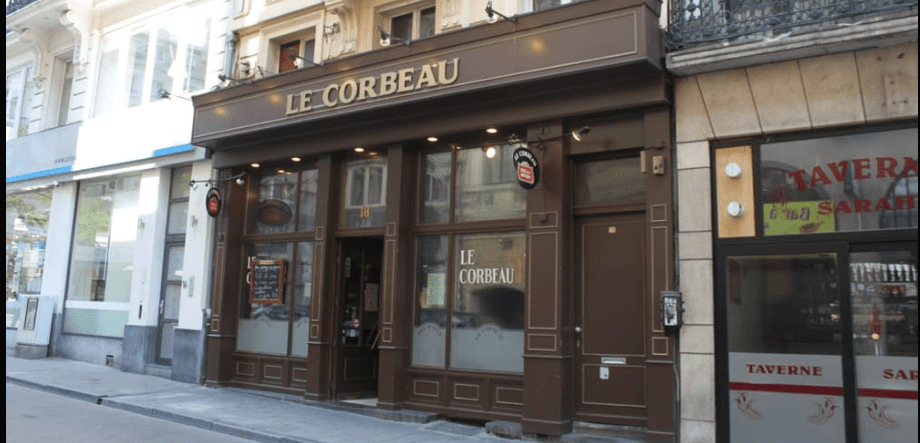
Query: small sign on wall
{"points": [[526, 168]]}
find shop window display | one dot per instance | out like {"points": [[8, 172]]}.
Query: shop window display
{"points": [[470, 287], [26, 234], [277, 286], [102, 257]]}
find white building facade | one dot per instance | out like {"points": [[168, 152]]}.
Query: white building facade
{"points": [[100, 212]]}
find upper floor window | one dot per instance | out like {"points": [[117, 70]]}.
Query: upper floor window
{"points": [[542, 5], [411, 24], [291, 52], [19, 91], [167, 53]]}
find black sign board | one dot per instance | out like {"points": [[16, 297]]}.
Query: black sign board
{"points": [[266, 281], [212, 202], [526, 168]]}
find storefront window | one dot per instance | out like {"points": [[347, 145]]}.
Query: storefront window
{"points": [[274, 208], [102, 257], [785, 341], [487, 188], [435, 188], [832, 184], [365, 193], [265, 316], [431, 304], [303, 294], [883, 287], [487, 324], [26, 232]]}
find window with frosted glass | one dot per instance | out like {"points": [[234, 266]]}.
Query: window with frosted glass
{"points": [[102, 255], [487, 315], [785, 342], [487, 188], [365, 193], [27, 217], [263, 327], [430, 330]]}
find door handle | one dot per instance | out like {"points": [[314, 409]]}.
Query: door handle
{"points": [[162, 302], [578, 329]]}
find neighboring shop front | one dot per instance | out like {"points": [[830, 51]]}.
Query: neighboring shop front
{"points": [[817, 285], [424, 229]]}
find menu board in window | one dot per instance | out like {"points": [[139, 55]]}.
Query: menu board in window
{"points": [[266, 284]]}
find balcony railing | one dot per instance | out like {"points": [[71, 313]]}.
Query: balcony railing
{"points": [[15, 5], [702, 21]]}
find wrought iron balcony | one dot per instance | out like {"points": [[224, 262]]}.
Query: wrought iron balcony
{"points": [[15, 5], [694, 22]]}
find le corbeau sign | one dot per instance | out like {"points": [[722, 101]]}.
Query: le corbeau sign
{"points": [[372, 87], [526, 167]]}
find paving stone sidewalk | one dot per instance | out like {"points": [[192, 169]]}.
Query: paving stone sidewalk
{"points": [[254, 415]]}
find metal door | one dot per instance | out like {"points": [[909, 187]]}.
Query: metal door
{"points": [[169, 302], [611, 320]]}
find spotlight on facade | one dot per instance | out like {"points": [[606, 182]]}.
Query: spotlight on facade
{"points": [[494, 15]]}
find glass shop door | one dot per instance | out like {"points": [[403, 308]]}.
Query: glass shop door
{"points": [[883, 291]]}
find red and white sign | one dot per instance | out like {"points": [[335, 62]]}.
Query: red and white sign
{"points": [[786, 397]]}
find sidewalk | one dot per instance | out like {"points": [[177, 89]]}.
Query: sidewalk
{"points": [[256, 415]]}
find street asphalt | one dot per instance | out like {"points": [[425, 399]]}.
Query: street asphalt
{"points": [[258, 415]]}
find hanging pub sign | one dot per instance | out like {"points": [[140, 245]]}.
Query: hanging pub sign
{"points": [[526, 167], [275, 212], [212, 202]]}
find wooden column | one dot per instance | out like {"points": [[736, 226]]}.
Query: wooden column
{"points": [[661, 355], [548, 378], [396, 301], [321, 304], [221, 329]]}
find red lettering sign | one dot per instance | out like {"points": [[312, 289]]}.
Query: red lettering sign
{"points": [[525, 173]]}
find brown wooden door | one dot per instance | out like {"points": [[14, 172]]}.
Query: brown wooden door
{"points": [[611, 320], [357, 318]]}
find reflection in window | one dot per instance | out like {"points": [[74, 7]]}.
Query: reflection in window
{"points": [[102, 255], [832, 184], [783, 304], [277, 203], [487, 188], [303, 294], [430, 308], [26, 232], [263, 327], [435, 188], [487, 316], [609, 181], [169, 53], [365, 193]]}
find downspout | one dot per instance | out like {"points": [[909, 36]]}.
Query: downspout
{"points": [[232, 40]]}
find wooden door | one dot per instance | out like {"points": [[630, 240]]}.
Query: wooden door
{"points": [[611, 320]]}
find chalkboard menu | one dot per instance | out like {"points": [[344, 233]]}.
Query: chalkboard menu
{"points": [[266, 284]]}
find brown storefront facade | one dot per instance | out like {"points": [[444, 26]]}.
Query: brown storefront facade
{"points": [[419, 270]]}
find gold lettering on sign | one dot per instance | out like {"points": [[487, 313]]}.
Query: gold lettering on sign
{"points": [[365, 212], [371, 87]]}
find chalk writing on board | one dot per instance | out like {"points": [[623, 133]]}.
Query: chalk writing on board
{"points": [[266, 283]]}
